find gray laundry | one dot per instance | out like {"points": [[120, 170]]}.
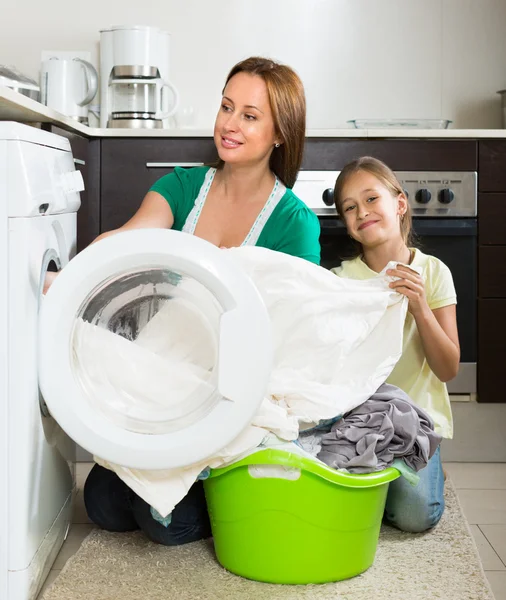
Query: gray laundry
{"points": [[385, 427]]}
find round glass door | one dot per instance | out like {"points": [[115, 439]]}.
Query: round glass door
{"points": [[145, 349], [155, 349]]}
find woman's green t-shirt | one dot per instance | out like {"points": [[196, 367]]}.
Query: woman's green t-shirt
{"points": [[292, 228]]}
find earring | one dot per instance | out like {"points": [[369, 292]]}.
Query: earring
{"points": [[277, 145]]}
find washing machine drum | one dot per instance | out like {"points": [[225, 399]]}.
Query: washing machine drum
{"points": [[154, 349]]}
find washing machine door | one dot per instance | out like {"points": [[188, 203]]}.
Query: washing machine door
{"points": [[154, 349]]}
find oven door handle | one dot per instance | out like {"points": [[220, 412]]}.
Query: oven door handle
{"points": [[330, 226], [422, 227], [446, 227]]}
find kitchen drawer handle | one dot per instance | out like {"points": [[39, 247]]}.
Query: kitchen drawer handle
{"points": [[78, 161], [171, 165]]}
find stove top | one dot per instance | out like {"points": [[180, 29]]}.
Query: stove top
{"points": [[443, 194]]}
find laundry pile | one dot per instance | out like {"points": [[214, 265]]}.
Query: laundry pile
{"points": [[386, 426], [335, 342]]}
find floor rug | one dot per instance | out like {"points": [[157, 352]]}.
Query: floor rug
{"points": [[443, 563]]}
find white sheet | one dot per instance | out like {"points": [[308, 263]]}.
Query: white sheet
{"points": [[335, 342]]}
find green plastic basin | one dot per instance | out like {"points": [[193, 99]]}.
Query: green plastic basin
{"points": [[321, 527]]}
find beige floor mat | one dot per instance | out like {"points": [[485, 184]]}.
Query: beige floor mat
{"points": [[442, 564]]}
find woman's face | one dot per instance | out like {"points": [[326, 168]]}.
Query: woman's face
{"points": [[244, 129]]}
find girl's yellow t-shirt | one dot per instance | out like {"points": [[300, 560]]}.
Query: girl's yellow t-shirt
{"points": [[412, 372]]}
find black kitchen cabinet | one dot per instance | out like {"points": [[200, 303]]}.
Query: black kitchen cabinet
{"points": [[327, 154], [492, 222], [491, 270], [492, 161], [129, 168], [491, 350]]}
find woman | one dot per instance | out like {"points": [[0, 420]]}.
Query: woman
{"points": [[259, 134], [246, 200]]}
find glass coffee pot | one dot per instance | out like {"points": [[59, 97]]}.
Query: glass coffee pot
{"points": [[140, 98]]}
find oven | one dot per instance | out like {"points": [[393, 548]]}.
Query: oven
{"points": [[444, 208]]}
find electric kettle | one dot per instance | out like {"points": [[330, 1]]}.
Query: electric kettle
{"points": [[68, 86]]}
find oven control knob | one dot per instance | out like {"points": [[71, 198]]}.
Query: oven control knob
{"points": [[446, 196], [423, 196], [328, 197]]}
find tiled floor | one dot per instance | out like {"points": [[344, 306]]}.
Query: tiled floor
{"points": [[481, 489]]}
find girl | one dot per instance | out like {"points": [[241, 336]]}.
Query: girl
{"points": [[376, 212]]}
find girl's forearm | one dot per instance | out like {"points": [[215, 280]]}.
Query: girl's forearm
{"points": [[442, 354]]}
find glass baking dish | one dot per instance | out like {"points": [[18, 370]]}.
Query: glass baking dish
{"points": [[400, 123]]}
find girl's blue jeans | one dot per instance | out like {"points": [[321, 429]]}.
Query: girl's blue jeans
{"points": [[416, 509]]}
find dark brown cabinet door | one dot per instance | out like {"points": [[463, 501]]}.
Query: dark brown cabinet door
{"points": [[131, 166], [492, 166], [327, 154], [492, 272], [492, 350], [492, 219]]}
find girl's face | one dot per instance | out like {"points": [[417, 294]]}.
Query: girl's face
{"points": [[371, 213], [244, 130]]}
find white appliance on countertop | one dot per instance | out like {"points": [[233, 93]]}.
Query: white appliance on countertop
{"points": [[134, 78], [68, 83], [39, 199], [10, 77]]}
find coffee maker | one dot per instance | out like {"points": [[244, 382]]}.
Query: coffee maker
{"points": [[134, 87]]}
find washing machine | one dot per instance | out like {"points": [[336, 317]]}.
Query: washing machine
{"points": [[172, 303], [39, 199]]}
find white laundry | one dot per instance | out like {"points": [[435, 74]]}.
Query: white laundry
{"points": [[163, 489], [273, 442], [135, 387], [335, 342], [311, 441], [183, 330]]}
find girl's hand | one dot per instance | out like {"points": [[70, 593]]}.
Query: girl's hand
{"points": [[411, 285]]}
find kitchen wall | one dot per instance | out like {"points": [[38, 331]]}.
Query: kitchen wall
{"points": [[357, 58]]}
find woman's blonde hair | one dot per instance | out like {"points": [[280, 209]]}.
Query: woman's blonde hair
{"points": [[288, 105], [386, 177]]}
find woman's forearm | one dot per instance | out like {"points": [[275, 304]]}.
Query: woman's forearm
{"points": [[104, 235], [441, 352], [153, 213]]}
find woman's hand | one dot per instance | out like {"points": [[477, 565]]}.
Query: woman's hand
{"points": [[48, 281], [411, 285]]}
